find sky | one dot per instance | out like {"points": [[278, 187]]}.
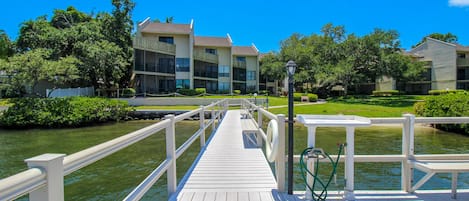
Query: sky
{"points": [[267, 22]]}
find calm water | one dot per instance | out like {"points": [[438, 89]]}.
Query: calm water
{"points": [[115, 176]]}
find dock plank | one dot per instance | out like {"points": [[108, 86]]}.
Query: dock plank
{"points": [[229, 170]]}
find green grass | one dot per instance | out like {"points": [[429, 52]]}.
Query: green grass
{"points": [[348, 109], [170, 107]]}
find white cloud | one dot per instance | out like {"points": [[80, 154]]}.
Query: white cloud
{"points": [[459, 3]]}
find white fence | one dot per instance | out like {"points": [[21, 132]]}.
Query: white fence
{"points": [[44, 179], [87, 91]]}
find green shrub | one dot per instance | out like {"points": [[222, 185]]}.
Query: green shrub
{"points": [[200, 91], [297, 96], [237, 92], [128, 92], [446, 105], [62, 112], [443, 91], [187, 92], [312, 97], [385, 93]]}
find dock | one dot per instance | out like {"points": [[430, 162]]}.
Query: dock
{"points": [[231, 167]]}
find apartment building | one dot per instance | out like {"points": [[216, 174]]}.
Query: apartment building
{"points": [[169, 57], [447, 68]]}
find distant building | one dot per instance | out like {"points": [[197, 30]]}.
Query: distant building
{"points": [[447, 68], [169, 57]]}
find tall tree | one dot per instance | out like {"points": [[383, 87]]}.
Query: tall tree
{"points": [[67, 18], [6, 46], [448, 37], [118, 29], [102, 64]]}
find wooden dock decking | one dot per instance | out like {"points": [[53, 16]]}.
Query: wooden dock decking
{"points": [[231, 168]]}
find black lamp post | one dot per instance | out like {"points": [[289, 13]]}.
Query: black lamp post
{"points": [[291, 66]]}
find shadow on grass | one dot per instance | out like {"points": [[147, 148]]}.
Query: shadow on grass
{"points": [[390, 101]]}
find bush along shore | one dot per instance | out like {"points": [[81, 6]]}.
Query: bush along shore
{"points": [[62, 112], [446, 105]]}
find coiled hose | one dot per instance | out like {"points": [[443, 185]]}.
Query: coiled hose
{"points": [[312, 152]]}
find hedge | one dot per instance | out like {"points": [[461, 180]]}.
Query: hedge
{"points": [[128, 92], [62, 112], [311, 97], [385, 93], [443, 91], [446, 105]]}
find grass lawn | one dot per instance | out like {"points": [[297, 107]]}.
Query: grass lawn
{"points": [[172, 107], [348, 109]]}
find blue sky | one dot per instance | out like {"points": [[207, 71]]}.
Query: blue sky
{"points": [[266, 23]]}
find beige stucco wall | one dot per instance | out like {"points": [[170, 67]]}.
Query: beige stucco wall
{"points": [[224, 56], [252, 65], [385, 83], [182, 46], [444, 64]]}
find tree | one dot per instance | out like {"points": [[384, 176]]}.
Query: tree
{"points": [[6, 46], [67, 18], [102, 65], [272, 66], [27, 69], [118, 29], [448, 37]]}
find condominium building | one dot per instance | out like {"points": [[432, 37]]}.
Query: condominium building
{"points": [[169, 57], [447, 68]]}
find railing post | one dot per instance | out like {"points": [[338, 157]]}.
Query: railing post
{"points": [[171, 154], [259, 124], [407, 151], [53, 166], [202, 126], [213, 118], [280, 162]]}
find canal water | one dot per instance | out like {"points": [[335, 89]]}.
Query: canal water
{"points": [[115, 176]]}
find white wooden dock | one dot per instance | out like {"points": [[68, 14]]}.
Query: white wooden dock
{"points": [[231, 168]]}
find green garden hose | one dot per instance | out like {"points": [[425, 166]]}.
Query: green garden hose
{"points": [[318, 153]]}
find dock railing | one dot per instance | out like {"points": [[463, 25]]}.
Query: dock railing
{"points": [[44, 178], [250, 109], [407, 155]]}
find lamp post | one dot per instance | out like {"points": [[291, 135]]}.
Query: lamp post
{"points": [[291, 66], [255, 98]]}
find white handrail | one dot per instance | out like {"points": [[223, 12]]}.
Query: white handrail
{"points": [[34, 178]]}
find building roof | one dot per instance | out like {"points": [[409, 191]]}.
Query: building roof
{"points": [[165, 28], [462, 48], [245, 50], [212, 41]]}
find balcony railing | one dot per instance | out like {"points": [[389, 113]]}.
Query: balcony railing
{"points": [[154, 45], [207, 57], [239, 64], [462, 62]]}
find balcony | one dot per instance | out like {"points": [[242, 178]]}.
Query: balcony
{"points": [[462, 62], [152, 44], [239, 64], [203, 56]]}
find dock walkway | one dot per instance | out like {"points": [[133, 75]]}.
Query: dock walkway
{"points": [[231, 168]]}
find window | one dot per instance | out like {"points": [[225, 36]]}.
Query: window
{"points": [[251, 75], [166, 39], [223, 87], [183, 84], [241, 59], [182, 64], [165, 65], [210, 51], [461, 55], [223, 71]]}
